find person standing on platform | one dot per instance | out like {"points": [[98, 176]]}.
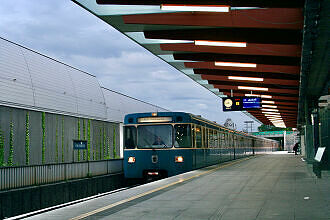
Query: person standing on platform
{"points": [[295, 148]]}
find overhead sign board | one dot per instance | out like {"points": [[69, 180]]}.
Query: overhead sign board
{"points": [[240, 103], [232, 104], [254, 102]]}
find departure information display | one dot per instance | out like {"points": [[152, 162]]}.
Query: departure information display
{"points": [[254, 102], [240, 103]]}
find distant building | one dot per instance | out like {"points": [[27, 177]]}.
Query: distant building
{"points": [[45, 105]]}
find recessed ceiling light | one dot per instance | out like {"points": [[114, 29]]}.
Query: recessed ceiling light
{"points": [[207, 8], [220, 43], [252, 65]]}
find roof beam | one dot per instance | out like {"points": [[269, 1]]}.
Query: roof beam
{"points": [[216, 72], [294, 70], [267, 82], [270, 91], [275, 97], [249, 35], [258, 59], [232, 3], [250, 49], [285, 18]]}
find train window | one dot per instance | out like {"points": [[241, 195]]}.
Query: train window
{"points": [[198, 135], [211, 139], [215, 136], [182, 135], [193, 135], [155, 136], [205, 137], [222, 139], [129, 137]]}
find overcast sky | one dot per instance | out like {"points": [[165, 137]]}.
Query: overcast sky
{"points": [[65, 31]]}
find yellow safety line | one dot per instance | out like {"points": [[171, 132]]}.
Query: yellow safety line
{"points": [[151, 191]]}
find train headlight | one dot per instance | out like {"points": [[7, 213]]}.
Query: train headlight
{"points": [[131, 160], [179, 159]]}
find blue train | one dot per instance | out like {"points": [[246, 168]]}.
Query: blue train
{"points": [[162, 144]]}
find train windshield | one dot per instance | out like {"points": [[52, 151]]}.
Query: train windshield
{"points": [[155, 136]]}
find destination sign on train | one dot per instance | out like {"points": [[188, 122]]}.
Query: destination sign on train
{"points": [[240, 103], [154, 119]]}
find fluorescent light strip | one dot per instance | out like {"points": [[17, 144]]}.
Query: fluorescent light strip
{"points": [[269, 110], [254, 95], [269, 106], [274, 117], [252, 65], [220, 43], [271, 113], [279, 124], [267, 102], [277, 121], [252, 88], [245, 78], [208, 8], [262, 96]]}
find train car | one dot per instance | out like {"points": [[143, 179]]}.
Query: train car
{"points": [[162, 144]]}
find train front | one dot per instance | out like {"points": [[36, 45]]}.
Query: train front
{"points": [[151, 146]]}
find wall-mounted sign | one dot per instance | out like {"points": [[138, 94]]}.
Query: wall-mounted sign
{"points": [[79, 145], [240, 103]]}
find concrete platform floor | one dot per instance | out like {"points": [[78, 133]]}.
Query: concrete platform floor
{"points": [[275, 186]]}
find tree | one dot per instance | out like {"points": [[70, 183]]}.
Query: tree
{"points": [[264, 127]]}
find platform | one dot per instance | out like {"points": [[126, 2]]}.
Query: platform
{"points": [[276, 186]]}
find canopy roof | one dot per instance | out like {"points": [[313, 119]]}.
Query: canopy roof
{"points": [[270, 33]]}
